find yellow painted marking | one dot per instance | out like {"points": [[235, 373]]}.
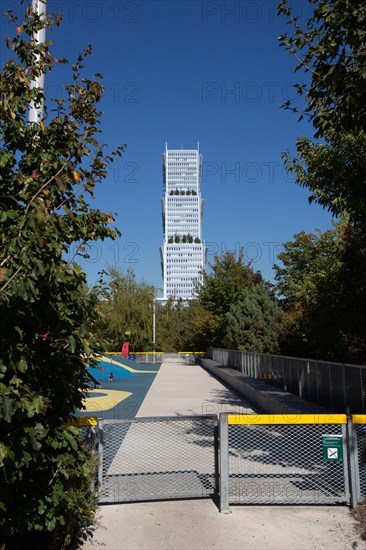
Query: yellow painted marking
{"points": [[83, 421], [114, 362], [106, 401], [134, 353], [358, 418], [287, 419]]}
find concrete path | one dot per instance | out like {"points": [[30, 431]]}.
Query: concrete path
{"points": [[181, 389], [197, 525], [185, 389]]}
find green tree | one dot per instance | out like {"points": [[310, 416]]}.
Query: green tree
{"points": [[219, 290], [172, 326], [47, 170], [334, 172], [324, 295], [126, 307], [310, 267], [222, 286], [330, 48], [308, 260], [253, 322], [203, 326]]}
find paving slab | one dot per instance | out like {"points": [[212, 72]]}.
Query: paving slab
{"points": [[197, 525]]}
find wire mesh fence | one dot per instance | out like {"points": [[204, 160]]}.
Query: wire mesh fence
{"points": [[148, 357], [283, 464], [361, 462], [284, 459], [155, 458], [264, 459]]}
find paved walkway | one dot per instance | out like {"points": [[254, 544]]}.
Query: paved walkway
{"points": [[185, 389], [197, 525], [181, 389]]}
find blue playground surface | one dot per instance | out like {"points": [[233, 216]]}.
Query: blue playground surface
{"points": [[122, 387]]}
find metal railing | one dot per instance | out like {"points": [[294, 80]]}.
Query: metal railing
{"points": [[340, 387], [159, 356], [148, 356], [141, 356]]}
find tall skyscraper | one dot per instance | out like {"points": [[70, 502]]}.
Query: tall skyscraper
{"points": [[183, 252]]}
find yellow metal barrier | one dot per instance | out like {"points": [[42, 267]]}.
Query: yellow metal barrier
{"points": [[358, 418], [287, 419], [82, 421]]}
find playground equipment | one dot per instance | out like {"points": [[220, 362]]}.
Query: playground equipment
{"points": [[125, 351]]}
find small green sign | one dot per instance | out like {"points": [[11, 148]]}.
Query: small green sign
{"points": [[332, 447]]}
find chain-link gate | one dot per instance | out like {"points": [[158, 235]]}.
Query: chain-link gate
{"points": [[158, 458], [283, 459]]}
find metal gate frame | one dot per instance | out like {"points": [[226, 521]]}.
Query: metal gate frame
{"points": [[353, 430], [349, 465], [356, 431], [129, 484]]}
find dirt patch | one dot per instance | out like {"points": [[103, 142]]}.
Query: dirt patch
{"points": [[360, 516]]}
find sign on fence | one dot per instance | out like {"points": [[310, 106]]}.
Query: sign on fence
{"points": [[332, 448]]}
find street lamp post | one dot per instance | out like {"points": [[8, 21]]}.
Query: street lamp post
{"points": [[153, 296], [35, 113], [154, 322]]}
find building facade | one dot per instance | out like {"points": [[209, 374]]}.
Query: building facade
{"points": [[183, 250]]}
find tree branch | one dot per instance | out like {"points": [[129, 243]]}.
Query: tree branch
{"points": [[11, 279]]}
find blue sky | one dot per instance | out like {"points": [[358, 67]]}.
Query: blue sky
{"points": [[185, 72]]}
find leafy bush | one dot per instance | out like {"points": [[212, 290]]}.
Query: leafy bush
{"points": [[46, 170]]}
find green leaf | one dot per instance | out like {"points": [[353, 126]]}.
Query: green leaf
{"points": [[72, 343], [70, 438]]}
